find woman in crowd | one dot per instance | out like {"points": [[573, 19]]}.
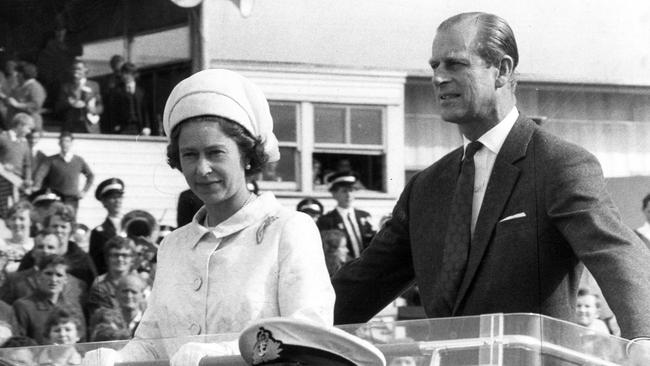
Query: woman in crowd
{"points": [[243, 257], [335, 246], [18, 222], [119, 253]]}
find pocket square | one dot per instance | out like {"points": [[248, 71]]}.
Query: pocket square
{"points": [[512, 217]]}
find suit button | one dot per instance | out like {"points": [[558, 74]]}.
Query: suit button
{"points": [[197, 283], [195, 329]]}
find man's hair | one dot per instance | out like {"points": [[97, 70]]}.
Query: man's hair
{"points": [[65, 212], [65, 134], [52, 260], [19, 341], [646, 200], [116, 243], [494, 37]]}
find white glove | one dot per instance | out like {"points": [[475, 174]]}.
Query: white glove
{"points": [[190, 354], [101, 357]]}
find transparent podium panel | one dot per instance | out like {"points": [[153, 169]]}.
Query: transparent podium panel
{"points": [[492, 339]]}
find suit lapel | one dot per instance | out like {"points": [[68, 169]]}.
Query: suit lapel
{"points": [[500, 186]]}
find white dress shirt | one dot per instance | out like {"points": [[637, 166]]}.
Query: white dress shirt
{"points": [[484, 158], [350, 223]]}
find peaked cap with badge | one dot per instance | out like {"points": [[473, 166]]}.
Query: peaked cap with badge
{"points": [[110, 185], [290, 341]]}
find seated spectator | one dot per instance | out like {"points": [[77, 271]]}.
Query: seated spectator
{"points": [[33, 311], [24, 283], [588, 311], [80, 103], [311, 207], [131, 298], [61, 328], [14, 150], [335, 248], [23, 353], [81, 236], [43, 201], [119, 253], [143, 229], [107, 318], [28, 96], [8, 82], [18, 222], [80, 264]]}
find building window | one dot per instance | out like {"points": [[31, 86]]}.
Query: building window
{"points": [[285, 127], [349, 137]]}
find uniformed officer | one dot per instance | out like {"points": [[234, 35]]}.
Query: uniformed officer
{"points": [[288, 341], [355, 223], [110, 192]]}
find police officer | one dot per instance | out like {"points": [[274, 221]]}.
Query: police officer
{"points": [[110, 193]]}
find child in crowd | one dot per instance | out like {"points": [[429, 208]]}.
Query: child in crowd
{"points": [[335, 248], [588, 311], [61, 328]]}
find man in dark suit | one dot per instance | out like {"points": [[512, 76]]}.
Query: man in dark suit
{"points": [[356, 224], [110, 193], [539, 207]]}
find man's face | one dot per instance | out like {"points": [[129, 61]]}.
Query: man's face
{"points": [[46, 245], [120, 260], [52, 278], [23, 129], [586, 309], [78, 71], [463, 82], [112, 203], [65, 143], [130, 295], [646, 212], [344, 196]]}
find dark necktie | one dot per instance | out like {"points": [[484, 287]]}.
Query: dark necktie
{"points": [[458, 237]]}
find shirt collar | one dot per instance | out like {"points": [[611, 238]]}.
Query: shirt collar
{"points": [[494, 138], [253, 212], [343, 211], [12, 135], [67, 157]]}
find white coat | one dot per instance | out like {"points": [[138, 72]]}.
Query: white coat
{"points": [[264, 261]]}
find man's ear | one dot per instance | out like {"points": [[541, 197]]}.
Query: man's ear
{"points": [[506, 68]]}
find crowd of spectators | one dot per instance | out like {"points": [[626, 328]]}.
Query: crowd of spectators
{"points": [[71, 101]]}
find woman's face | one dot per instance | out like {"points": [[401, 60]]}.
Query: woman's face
{"points": [[211, 163], [46, 245], [60, 227], [19, 223]]}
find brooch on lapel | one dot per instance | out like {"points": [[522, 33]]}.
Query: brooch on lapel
{"points": [[260, 232], [266, 348]]}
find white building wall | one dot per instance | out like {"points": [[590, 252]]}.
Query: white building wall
{"points": [[598, 41]]}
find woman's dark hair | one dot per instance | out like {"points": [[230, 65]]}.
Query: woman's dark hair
{"points": [[250, 148]]}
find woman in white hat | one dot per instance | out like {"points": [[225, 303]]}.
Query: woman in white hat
{"points": [[243, 257]]}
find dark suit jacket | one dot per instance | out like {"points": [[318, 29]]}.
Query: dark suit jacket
{"points": [[526, 264], [121, 119], [98, 238], [333, 220]]}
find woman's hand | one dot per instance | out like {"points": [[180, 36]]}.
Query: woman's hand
{"points": [[101, 357], [190, 354]]}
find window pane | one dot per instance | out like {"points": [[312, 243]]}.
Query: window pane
{"points": [[369, 169], [283, 170], [329, 124], [284, 121], [365, 126]]}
